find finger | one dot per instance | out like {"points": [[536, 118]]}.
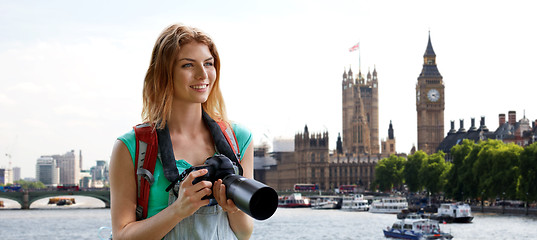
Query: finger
{"points": [[216, 191], [202, 193], [195, 174]]}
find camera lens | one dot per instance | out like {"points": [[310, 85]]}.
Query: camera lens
{"points": [[252, 197]]}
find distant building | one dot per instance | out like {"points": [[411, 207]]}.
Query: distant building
{"points": [[16, 174], [6, 176], [357, 148], [69, 167], [312, 162], [360, 113], [99, 174], [521, 133], [85, 179], [430, 103], [262, 162], [388, 145], [47, 171]]}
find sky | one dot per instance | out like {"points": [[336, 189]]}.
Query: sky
{"points": [[71, 72]]}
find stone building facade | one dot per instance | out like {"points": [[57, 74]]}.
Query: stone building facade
{"points": [[312, 162], [430, 103], [356, 155]]}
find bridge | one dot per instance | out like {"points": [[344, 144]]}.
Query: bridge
{"points": [[26, 197]]}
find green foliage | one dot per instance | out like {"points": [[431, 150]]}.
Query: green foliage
{"points": [[412, 169], [433, 172], [527, 178], [389, 172], [460, 176], [492, 169], [30, 185], [496, 168]]}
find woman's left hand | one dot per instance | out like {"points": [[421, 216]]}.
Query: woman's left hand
{"points": [[219, 193]]}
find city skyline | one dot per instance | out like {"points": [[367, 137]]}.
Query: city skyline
{"points": [[72, 75]]}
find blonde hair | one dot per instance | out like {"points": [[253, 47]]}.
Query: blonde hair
{"points": [[158, 84]]}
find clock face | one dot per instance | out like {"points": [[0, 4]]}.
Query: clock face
{"points": [[433, 95]]}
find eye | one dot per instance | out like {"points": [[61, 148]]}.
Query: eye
{"points": [[186, 65], [208, 64]]}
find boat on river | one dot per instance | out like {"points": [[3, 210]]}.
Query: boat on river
{"points": [[60, 201], [416, 228], [355, 202], [326, 202], [453, 212], [295, 200], [388, 205]]}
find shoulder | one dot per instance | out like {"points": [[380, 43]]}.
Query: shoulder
{"points": [[129, 139], [243, 135], [241, 130]]}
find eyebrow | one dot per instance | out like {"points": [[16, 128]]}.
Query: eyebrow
{"points": [[193, 60]]}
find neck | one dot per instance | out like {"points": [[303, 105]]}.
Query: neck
{"points": [[186, 119]]}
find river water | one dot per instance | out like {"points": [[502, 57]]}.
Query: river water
{"points": [[49, 222]]}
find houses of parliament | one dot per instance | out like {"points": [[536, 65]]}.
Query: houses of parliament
{"points": [[357, 147]]}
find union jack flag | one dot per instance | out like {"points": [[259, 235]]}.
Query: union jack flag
{"points": [[354, 48]]}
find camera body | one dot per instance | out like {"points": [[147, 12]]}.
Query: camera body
{"points": [[218, 167], [252, 197]]}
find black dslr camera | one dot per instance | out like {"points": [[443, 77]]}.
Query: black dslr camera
{"points": [[252, 197]]}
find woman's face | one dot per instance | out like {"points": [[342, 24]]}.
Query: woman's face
{"points": [[194, 73]]}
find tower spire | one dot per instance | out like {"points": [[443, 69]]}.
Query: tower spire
{"points": [[429, 51]]}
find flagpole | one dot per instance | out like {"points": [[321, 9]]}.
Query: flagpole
{"points": [[359, 58]]}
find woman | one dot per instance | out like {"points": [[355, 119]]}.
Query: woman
{"points": [[182, 79]]}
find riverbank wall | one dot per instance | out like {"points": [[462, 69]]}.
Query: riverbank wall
{"points": [[507, 210]]}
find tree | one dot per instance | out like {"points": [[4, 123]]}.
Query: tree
{"points": [[496, 168], [458, 177], [411, 170], [389, 172], [527, 178], [433, 172], [504, 174]]}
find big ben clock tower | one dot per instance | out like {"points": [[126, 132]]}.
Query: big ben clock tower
{"points": [[430, 103]]}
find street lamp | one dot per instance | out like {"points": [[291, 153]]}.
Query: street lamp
{"points": [[527, 202], [503, 203]]}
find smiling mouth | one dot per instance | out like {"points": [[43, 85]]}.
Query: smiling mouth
{"points": [[198, 87]]}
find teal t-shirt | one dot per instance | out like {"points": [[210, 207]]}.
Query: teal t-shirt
{"points": [[158, 197]]}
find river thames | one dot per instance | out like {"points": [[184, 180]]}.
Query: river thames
{"points": [[51, 222]]}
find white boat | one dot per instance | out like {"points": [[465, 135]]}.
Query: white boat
{"points": [[416, 228], [295, 200], [388, 205], [355, 203], [454, 212], [325, 202]]}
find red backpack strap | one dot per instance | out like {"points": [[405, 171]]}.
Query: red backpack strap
{"points": [[230, 138], [145, 161]]}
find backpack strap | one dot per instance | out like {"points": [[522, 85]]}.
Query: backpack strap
{"points": [[145, 161], [229, 134]]}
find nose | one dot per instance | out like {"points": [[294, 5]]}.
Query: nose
{"points": [[201, 73]]}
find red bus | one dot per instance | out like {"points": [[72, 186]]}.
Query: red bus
{"points": [[348, 189], [306, 187]]}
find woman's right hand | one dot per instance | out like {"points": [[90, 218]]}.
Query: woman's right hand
{"points": [[189, 198]]}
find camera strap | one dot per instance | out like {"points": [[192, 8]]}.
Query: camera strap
{"points": [[167, 156], [221, 141]]}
